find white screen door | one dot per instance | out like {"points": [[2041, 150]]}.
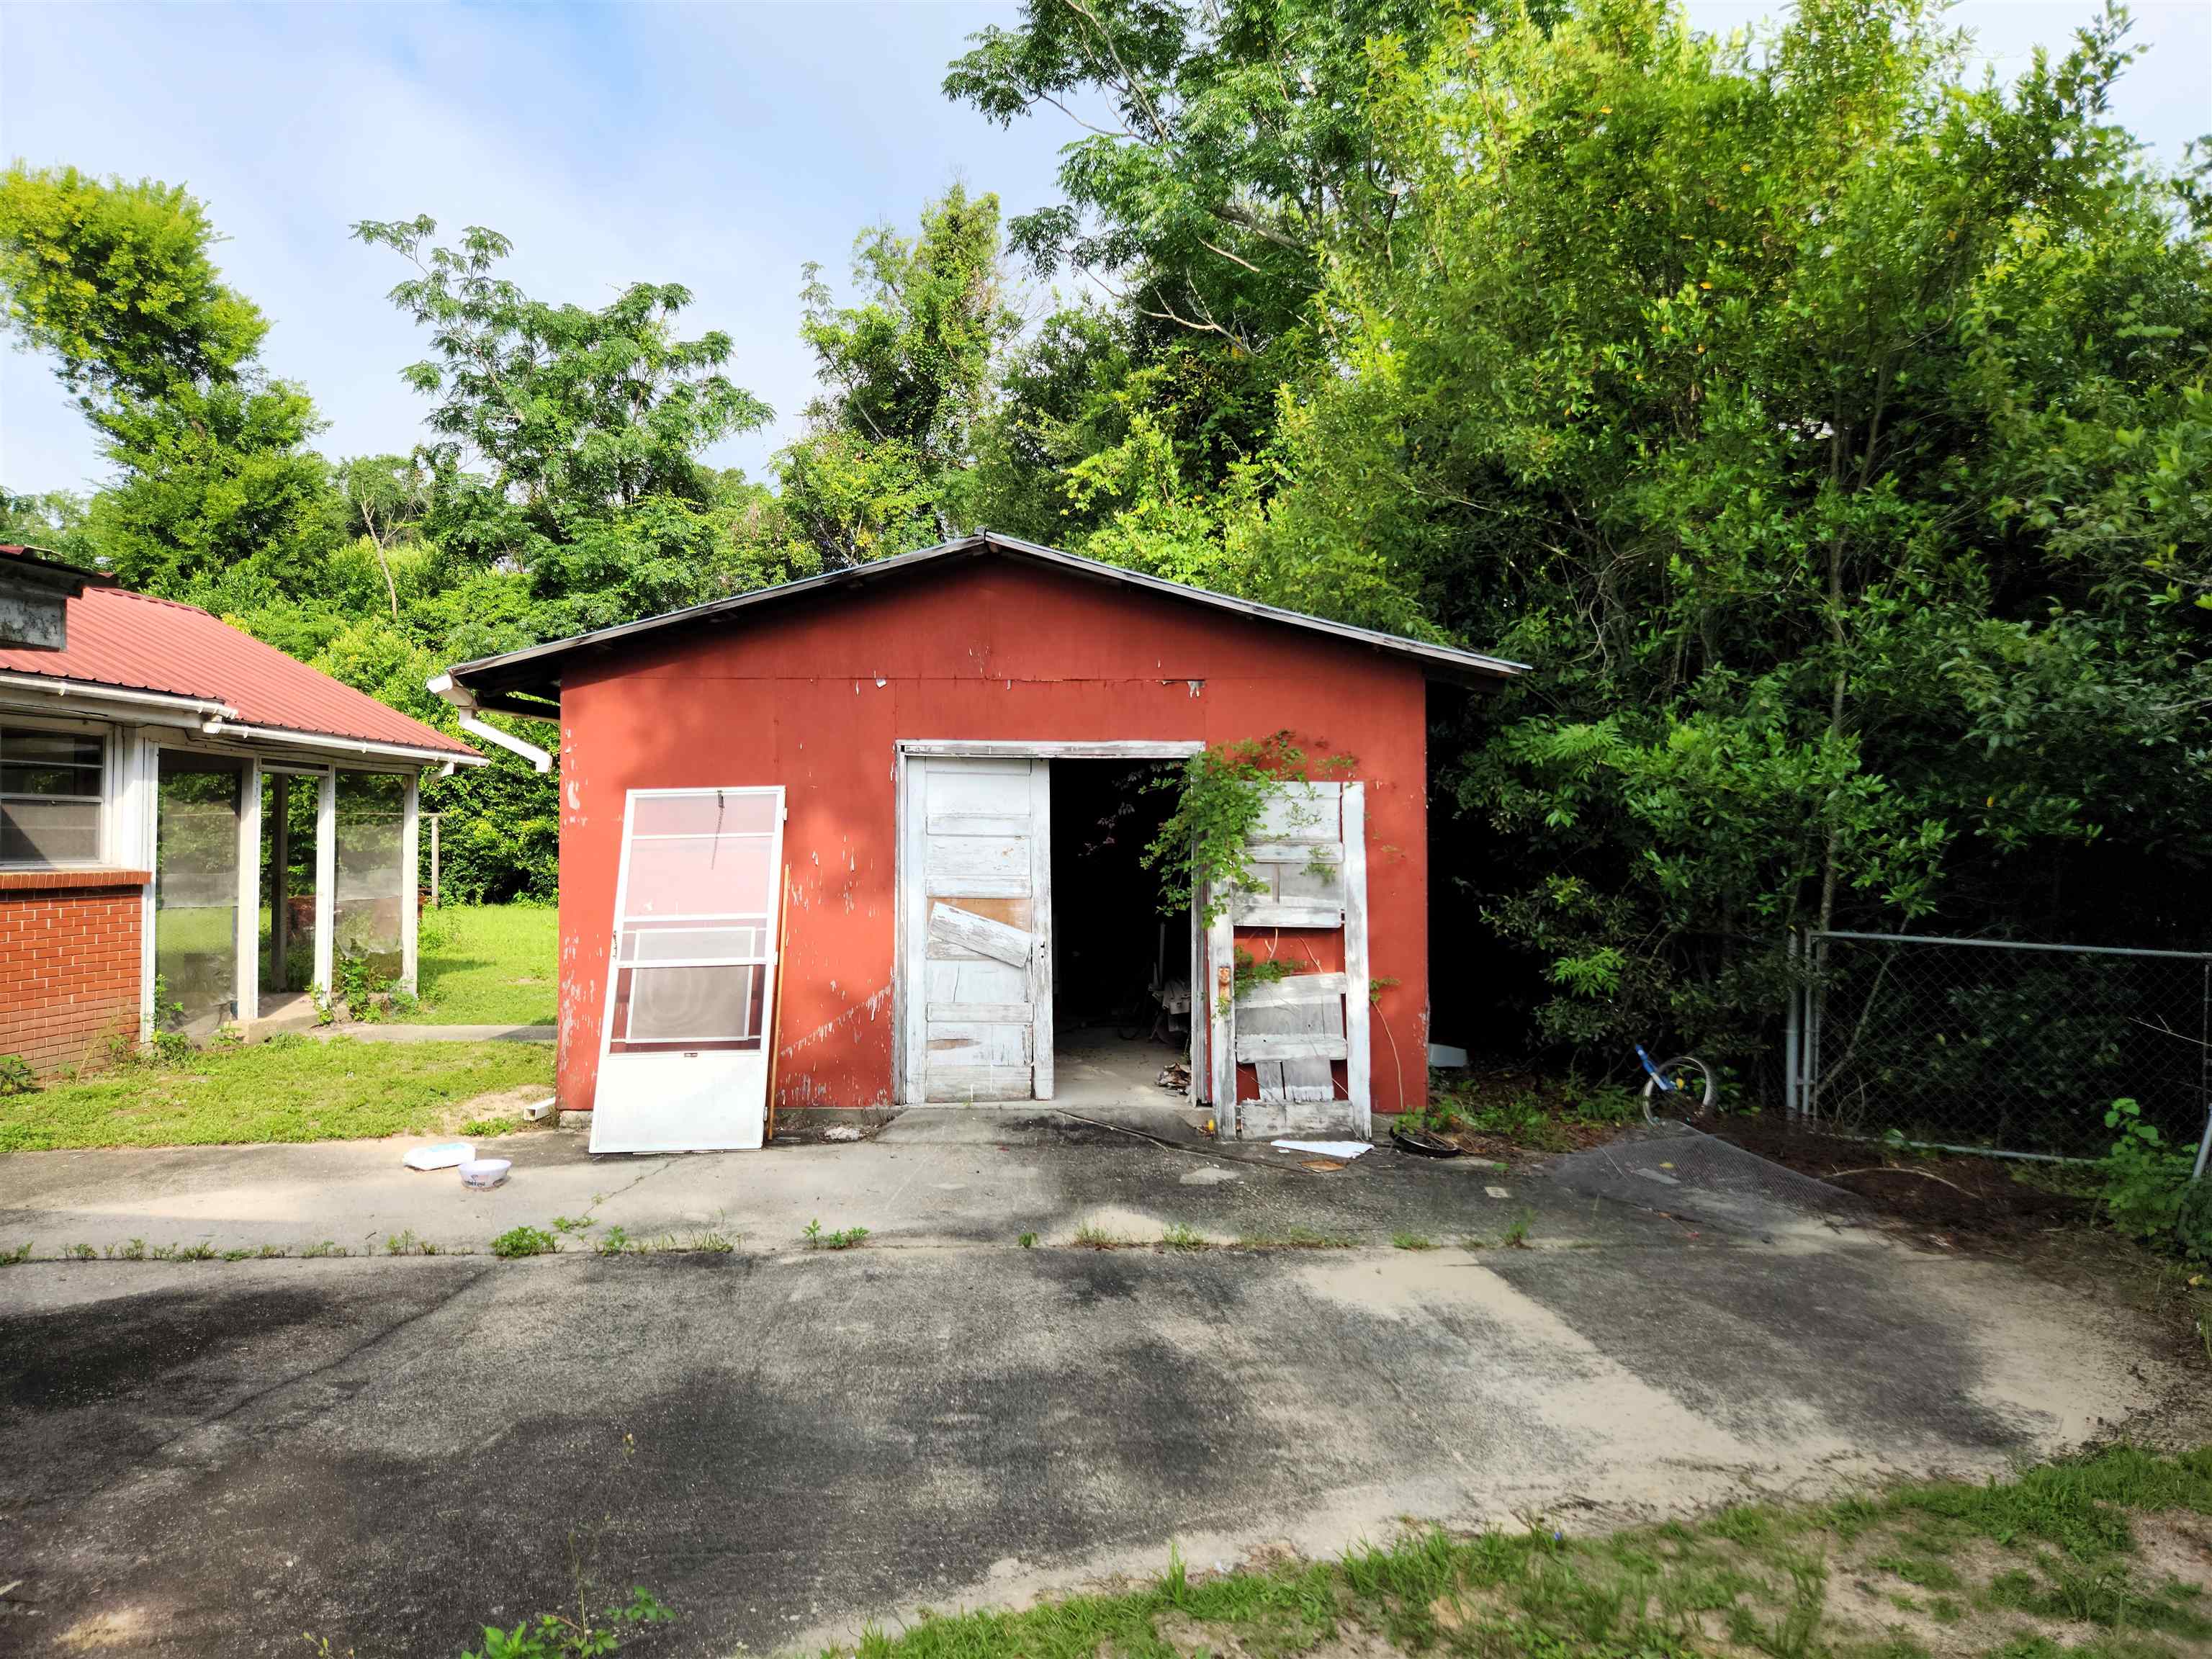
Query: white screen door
{"points": [[684, 1053], [976, 879]]}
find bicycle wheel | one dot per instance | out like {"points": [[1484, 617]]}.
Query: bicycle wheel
{"points": [[1685, 1085]]}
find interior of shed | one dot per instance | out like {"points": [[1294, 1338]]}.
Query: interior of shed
{"points": [[1121, 978]]}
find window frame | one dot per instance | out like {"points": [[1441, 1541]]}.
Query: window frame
{"points": [[104, 801]]}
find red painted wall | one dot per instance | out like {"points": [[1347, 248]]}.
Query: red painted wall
{"points": [[816, 695], [69, 964]]}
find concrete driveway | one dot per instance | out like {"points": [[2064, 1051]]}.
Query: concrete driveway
{"points": [[208, 1458]]}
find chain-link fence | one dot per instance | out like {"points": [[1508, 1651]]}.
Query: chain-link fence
{"points": [[2010, 1046]]}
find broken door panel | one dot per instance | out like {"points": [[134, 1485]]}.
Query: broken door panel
{"points": [[1307, 856], [975, 876]]}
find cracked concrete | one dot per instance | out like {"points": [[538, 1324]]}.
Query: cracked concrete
{"points": [[783, 1444]]}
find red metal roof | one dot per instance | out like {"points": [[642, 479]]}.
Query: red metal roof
{"points": [[137, 643]]}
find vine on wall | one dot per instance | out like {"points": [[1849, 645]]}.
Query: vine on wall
{"points": [[1221, 794]]}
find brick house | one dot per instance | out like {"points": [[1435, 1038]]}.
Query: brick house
{"points": [[194, 827]]}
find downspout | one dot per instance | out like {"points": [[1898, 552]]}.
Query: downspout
{"points": [[442, 685]]}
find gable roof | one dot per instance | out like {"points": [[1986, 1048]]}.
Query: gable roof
{"points": [[136, 642], [535, 671]]}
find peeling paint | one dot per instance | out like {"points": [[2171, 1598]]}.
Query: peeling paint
{"points": [[871, 1007]]}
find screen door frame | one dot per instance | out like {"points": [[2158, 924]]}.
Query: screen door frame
{"points": [[675, 1099]]}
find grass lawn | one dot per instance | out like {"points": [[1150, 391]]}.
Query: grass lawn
{"points": [[291, 1089], [488, 964], [2071, 1560]]}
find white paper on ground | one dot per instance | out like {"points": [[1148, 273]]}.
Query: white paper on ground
{"points": [[449, 1156], [1345, 1149]]}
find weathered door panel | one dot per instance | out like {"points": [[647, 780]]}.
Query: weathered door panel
{"points": [[1309, 859], [976, 880]]}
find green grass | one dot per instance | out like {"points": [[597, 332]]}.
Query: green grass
{"points": [[290, 1090], [488, 964], [1768, 1582]]}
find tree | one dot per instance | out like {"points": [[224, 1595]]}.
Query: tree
{"points": [[1829, 430], [570, 407], [388, 495], [117, 281], [216, 482], [907, 378]]}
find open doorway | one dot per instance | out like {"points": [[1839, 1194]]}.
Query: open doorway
{"points": [[1121, 968], [286, 953]]}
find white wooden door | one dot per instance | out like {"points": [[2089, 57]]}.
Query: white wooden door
{"points": [[1309, 857], [684, 1052], [975, 877]]}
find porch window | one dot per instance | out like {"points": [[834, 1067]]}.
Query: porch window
{"points": [[51, 787]]}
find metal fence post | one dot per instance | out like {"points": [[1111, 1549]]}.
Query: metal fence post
{"points": [[2204, 1070]]}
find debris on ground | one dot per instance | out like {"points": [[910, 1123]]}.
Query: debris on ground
{"points": [[451, 1155], [1345, 1150], [841, 1131], [1175, 1078]]}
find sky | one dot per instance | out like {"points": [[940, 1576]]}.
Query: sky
{"points": [[720, 146]]}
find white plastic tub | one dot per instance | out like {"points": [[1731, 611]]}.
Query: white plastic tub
{"points": [[485, 1172]]}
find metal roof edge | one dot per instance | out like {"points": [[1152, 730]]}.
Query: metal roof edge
{"points": [[1455, 662], [220, 714]]}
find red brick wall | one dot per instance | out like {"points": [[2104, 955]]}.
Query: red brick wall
{"points": [[69, 964]]}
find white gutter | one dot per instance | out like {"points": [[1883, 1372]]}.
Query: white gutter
{"points": [[203, 706], [442, 685], [222, 728]]}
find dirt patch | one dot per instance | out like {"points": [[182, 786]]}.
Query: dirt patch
{"points": [[1949, 1193], [498, 1106]]}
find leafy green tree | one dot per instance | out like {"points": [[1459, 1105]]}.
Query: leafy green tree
{"points": [[216, 483], [569, 406], [1829, 428], [53, 520], [215, 477], [117, 281], [907, 378]]}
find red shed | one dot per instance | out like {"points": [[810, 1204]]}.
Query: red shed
{"points": [[876, 834]]}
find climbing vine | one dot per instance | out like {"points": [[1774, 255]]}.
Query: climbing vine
{"points": [[1221, 794]]}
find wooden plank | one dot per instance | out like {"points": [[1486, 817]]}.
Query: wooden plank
{"points": [[1314, 1078], [980, 1013], [963, 930], [977, 867], [1217, 994], [1124, 749], [1299, 987], [980, 788], [1315, 1120], [1302, 853], [957, 1044], [1200, 1085], [1301, 884], [1300, 813], [1040, 984], [979, 823], [958, 1083], [1268, 1019], [1257, 1046], [1275, 913], [978, 980], [914, 922], [1357, 1005]]}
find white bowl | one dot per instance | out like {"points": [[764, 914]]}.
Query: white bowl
{"points": [[482, 1172]]}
